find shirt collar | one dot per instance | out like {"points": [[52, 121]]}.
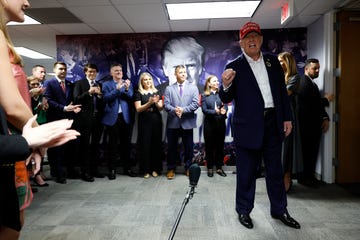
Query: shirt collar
{"points": [[59, 80], [250, 60]]}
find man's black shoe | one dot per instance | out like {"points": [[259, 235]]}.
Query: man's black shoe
{"points": [[87, 178], [60, 180], [287, 220], [130, 173], [246, 221], [112, 175]]}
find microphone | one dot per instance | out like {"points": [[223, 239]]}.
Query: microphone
{"points": [[194, 175]]}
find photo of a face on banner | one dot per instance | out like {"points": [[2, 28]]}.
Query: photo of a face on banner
{"points": [[183, 51]]}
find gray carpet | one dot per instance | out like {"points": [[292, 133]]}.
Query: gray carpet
{"points": [[138, 208]]}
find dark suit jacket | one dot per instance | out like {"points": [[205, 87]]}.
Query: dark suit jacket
{"points": [[82, 96], [13, 147], [57, 99], [112, 98], [311, 105], [208, 105], [248, 117]]}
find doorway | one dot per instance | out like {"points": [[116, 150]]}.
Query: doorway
{"points": [[348, 97]]}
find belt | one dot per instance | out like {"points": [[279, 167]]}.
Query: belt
{"points": [[267, 111]]}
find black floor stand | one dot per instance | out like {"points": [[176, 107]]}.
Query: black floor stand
{"points": [[186, 200]]}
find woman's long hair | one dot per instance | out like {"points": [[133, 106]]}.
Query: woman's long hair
{"points": [[290, 65], [16, 57], [141, 89], [207, 89]]}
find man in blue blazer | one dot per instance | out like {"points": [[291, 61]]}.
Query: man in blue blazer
{"points": [[117, 96], [261, 120], [181, 100], [58, 92]]}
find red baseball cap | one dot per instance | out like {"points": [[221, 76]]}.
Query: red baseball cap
{"points": [[249, 27]]}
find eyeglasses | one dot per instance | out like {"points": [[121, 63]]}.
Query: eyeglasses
{"points": [[34, 84]]}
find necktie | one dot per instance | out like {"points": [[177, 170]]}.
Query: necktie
{"points": [[62, 85], [92, 83], [130, 66], [181, 90]]}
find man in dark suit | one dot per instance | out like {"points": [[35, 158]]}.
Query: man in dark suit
{"points": [[117, 96], [87, 93], [313, 120], [58, 92], [262, 117]]}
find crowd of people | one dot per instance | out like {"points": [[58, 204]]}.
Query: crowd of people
{"points": [[75, 120]]}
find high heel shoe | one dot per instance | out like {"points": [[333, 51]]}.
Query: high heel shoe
{"points": [[36, 183]]}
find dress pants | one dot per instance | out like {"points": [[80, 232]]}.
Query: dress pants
{"points": [[63, 159], [173, 156], [91, 130], [214, 136], [119, 144], [247, 163]]}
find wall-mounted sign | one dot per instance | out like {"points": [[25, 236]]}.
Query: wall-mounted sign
{"points": [[287, 11]]}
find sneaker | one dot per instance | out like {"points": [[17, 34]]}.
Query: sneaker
{"points": [[146, 175], [170, 174]]}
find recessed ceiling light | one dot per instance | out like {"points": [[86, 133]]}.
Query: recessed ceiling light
{"points": [[31, 53], [28, 21], [208, 10]]}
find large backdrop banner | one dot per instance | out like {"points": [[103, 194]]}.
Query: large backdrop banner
{"points": [[203, 53]]}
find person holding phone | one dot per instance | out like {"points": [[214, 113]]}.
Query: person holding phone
{"points": [[149, 104]]}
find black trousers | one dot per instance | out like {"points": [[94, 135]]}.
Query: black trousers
{"points": [[91, 129], [247, 164], [214, 136], [119, 144]]}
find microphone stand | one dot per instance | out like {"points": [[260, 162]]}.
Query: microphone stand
{"points": [[189, 195]]}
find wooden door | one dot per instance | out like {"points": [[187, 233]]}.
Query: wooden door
{"points": [[348, 97]]}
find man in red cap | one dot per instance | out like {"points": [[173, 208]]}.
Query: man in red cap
{"points": [[261, 120]]}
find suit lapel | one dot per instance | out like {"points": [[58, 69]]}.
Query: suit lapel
{"points": [[268, 66]]}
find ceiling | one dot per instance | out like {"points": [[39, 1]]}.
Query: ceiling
{"points": [[67, 17]]}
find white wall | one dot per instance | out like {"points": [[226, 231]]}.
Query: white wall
{"points": [[320, 41]]}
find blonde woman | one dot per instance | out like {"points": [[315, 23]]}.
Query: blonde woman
{"points": [[15, 100], [148, 104], [292, 157]]}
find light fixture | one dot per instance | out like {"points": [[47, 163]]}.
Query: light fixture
{"points": [[28, 21], [208, 10], [31, 53]]}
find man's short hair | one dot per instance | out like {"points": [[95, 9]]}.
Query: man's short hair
{"points": [[59, 63], [115, 64], [36, 66], [90, 65], [311, 60]]}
